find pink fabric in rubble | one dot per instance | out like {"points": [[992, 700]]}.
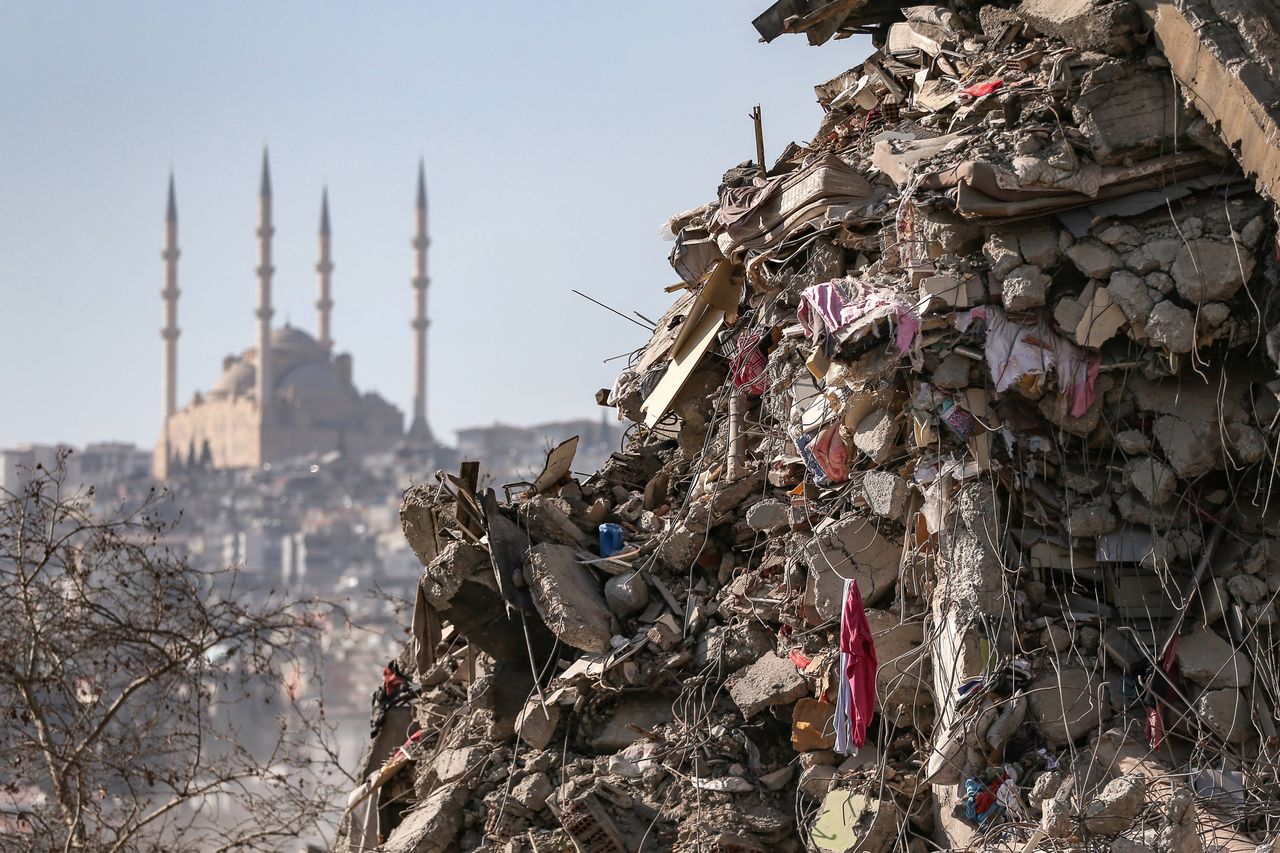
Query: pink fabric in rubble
{"points": [[835, 307]]}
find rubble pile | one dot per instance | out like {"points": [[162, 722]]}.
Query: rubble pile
{"points": [[947, 507]]}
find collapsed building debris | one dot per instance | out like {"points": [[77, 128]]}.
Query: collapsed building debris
{"points": [[985, 371]]}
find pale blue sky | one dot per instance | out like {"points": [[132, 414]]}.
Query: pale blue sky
{"points": [[557, 137]]}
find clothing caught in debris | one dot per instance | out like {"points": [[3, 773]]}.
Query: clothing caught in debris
{"points": [[856, 701], [396, 690]]}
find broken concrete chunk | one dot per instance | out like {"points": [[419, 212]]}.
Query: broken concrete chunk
{"points": [[1094, 259], [855, 823], [1141, 262], [1210, 270], [816, 781], [547, 519], [778, 779], [1189, 444], [622, 720], [1132, 442], [945, 233], [1069, 312], [768, 515], [1127, 113], [732, 647], [877, 436], [568, 597], [1002, 253], [1083, 482], [665, 632], [1164, 250], [443, 576], [1176, 544], [1120, 235], [952, 372], [885, 493], [1057, 816], [1210, 661], [532, 791], [1104, 27], [1130, 293], [1214, 600], [1153, 479], [948, 288], [1056, 637], [418, 521], [1159, 282], [626, 594], [993, 20], [767, 682], [1039, 245], [850, 548], [1247, 589], [432, 825], [454, 764], [1066, 707], [1117, 805], [1172, 327], [536, 722], [817, 758], [1213, 315], [1090, 519], [681, 546], [1045, 786], [1226, 713], [903, 673], [1248, 445], [1024, 288]]}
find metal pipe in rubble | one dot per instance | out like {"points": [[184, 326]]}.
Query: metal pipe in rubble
{"points": [[738, 405]]}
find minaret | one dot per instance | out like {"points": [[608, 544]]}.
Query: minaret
{"points": [[170, 330], [419, 430], [324, 304], [265, 271]]}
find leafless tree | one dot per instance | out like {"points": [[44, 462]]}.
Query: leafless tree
{"points": [[146, 704]]}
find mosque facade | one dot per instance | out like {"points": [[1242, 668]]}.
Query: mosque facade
{"points": [[290, 394]]}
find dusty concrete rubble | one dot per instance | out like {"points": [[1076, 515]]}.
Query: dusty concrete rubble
{"points": [[999, 344]]}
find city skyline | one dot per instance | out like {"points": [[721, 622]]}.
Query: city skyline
{"points": [[88, 166]]}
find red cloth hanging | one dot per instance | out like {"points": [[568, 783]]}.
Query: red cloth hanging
{"points": [[1154, 729], [856, 642], [749, 365]]}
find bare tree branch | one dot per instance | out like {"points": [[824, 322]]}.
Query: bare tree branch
{"points": [[145, 700]]}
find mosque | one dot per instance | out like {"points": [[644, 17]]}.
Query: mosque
{"points": [[291, 394]]}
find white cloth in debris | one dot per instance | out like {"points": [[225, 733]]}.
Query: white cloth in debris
{"points": [[1009, 795], [364, 834], [1014, 350]]}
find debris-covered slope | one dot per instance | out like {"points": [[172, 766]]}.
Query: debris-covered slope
{"points": [[947, 507]]}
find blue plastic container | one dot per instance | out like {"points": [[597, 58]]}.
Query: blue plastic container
{"points": [[610, 539]]}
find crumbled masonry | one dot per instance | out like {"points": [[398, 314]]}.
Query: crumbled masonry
{"points": [[1000, 344]]}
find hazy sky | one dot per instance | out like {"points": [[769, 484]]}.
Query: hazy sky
{"points": [[557, 138]]}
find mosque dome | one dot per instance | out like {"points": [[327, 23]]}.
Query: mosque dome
{"points": [[292, 341], [313, 380], [237, 378]]}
